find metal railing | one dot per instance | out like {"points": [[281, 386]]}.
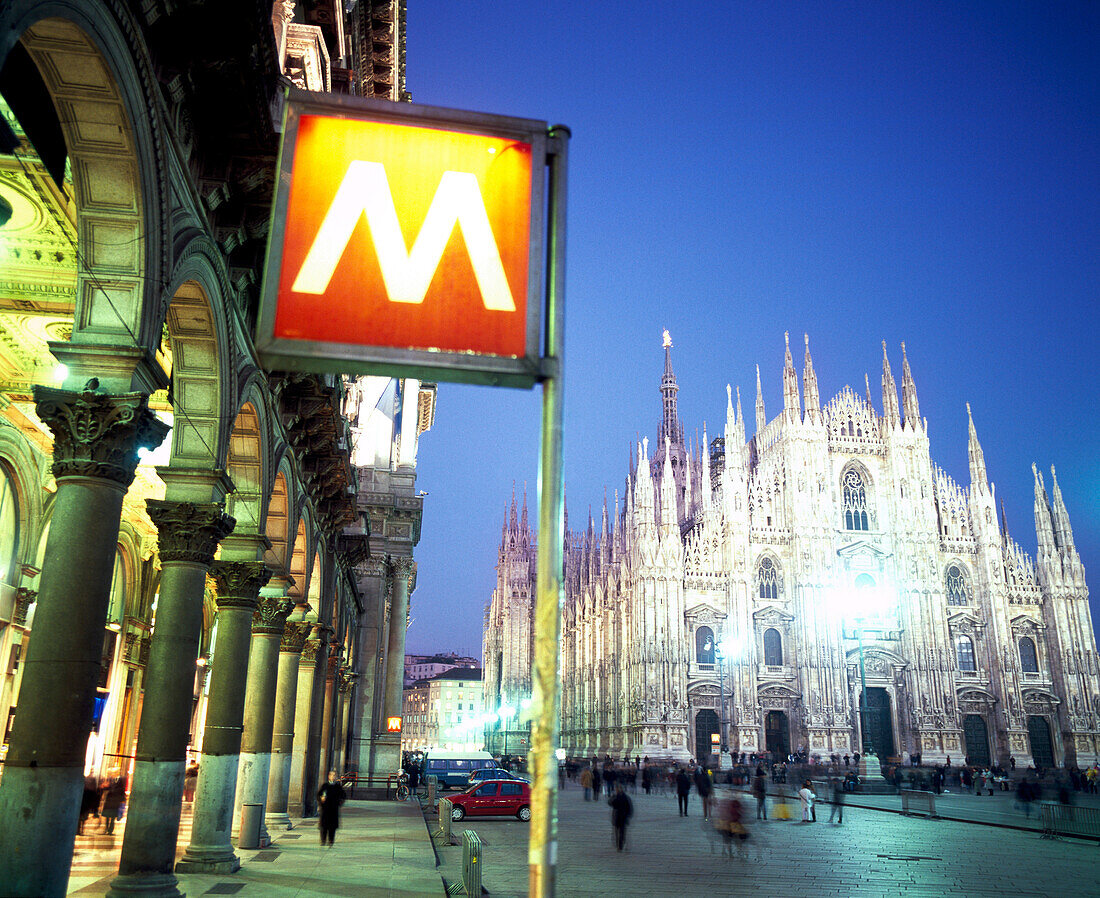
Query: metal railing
{"points": [[1070, 820], [471, 863], [910, 796], [444, 831], [353, 781]]}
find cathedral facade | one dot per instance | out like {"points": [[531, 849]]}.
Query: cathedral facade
{"points": [[821, 585]]}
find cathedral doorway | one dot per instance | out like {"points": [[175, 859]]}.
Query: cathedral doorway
{"points": [[777, 735], [976, 739], [879, 722], [706, 725], [1042, 750]]}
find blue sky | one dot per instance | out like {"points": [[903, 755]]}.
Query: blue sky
{"points": [[925, 172]]}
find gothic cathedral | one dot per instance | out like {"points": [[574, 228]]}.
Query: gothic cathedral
{"points": [[787, 591]]}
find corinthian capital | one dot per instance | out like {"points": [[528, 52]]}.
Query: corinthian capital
{"points": [[96, 435], [271, 614], [24, 597], [401, 567], [187, 531], [294, 636], [310, 649], [238, 583]]}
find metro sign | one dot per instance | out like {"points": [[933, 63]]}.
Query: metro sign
{"points": [[406, 240], [393, 724]]}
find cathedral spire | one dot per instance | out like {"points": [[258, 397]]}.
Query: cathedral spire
{"points": [[867, 388], [670, 421], [809, 386], [889, 391], [761, 417], [978, 477], [1004, 523], [513, 521], [1044, 529], [704, 484], [909, 393], [1063, 532], [523, 517], [792, 405]]}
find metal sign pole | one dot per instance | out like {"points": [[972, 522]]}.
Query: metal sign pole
{"points": [[542, 854]]}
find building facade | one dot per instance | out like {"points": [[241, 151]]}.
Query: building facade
{"points": [[181, 542], [739, 588], [444, 712], [424, 667]]}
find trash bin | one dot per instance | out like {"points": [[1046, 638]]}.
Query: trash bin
{"points": [[252, 815]]}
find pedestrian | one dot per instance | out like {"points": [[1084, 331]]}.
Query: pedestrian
{"points": [[597, 782], [113, 799], [979, 782], [89, 802], [806, 796], [646, 781], [705, 788], [330, 796], [190, 781], [1024, 796], [586, 782], [683, 790], [838, 800], [760, 793], [728, 822], [622, 809], [847, 758]]}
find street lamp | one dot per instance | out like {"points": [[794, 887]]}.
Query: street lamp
{"points": [[505, 713], [730, 648], [863, 604]]}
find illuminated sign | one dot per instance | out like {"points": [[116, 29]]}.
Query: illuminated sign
{"points": [[393, 724], [406, 240], [715, 738]]}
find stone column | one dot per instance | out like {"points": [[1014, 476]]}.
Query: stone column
{"points": [[303, 706], [347, 687], [282, 737], [369, 651], [311, 769], [268, 626], [96, 439], [332, 676], [188, 536], [387, 758], [238, 584]]}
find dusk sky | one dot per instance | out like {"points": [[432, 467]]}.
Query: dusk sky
{"points": [[922, 172]]}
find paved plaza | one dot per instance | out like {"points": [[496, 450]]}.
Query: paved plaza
{"points": [[384, 849], [874, 853]]}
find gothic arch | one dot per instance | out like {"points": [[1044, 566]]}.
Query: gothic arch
{"points": [[857, 505], [96, 69], [958, 583], [198, 343], [26, 474], [277, 521], [247, 468], [760, 584]]}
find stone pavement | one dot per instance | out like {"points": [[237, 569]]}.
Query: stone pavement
{"points": [[382, 849], [872, 853]]}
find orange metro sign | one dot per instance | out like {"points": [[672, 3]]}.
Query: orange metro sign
{"points": [[405, 236], [393, 724]]}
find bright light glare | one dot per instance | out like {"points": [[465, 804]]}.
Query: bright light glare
{"points": [[505, 712], [60, 373]]}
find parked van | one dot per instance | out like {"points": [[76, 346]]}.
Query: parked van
{"points": [[452, 768]]}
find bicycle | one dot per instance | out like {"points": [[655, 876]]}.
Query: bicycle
{"points": [[402, 792]]}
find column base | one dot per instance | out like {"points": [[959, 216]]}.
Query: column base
{"points": [[39, 808], [215, 859], [278, 821], [158, 885]]}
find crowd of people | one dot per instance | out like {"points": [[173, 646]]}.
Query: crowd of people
{"points": [[104, 800]]}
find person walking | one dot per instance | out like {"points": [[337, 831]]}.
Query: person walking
{"points": [[190, 781], [113, 799], [806, 796], [597, 782], [705, 788], [683, 790], [586, 782], [329, 797], [838, 800], [760, 793], [622, 809], [89, 802]]}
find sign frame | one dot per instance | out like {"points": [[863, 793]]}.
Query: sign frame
{"points": [[280, 353]]}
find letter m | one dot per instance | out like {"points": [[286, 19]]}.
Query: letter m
{"points": [[407, 274]]}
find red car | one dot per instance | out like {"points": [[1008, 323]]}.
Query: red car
{"points": [[501, 798]]}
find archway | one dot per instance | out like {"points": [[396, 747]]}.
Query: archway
{"points": [[879, 721], [777, 735], [706, 727], [976, 739], [1042, 747]]}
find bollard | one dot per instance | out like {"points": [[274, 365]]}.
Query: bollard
{"points": [[252, 816], [445, 810], [471, 863]]}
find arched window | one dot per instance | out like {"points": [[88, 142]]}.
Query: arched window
{"points": [[1029, 658], [704, 646], [773, 647], [958, 592], [767, 580], [855, 501], [964, 653], [9, 527]]}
